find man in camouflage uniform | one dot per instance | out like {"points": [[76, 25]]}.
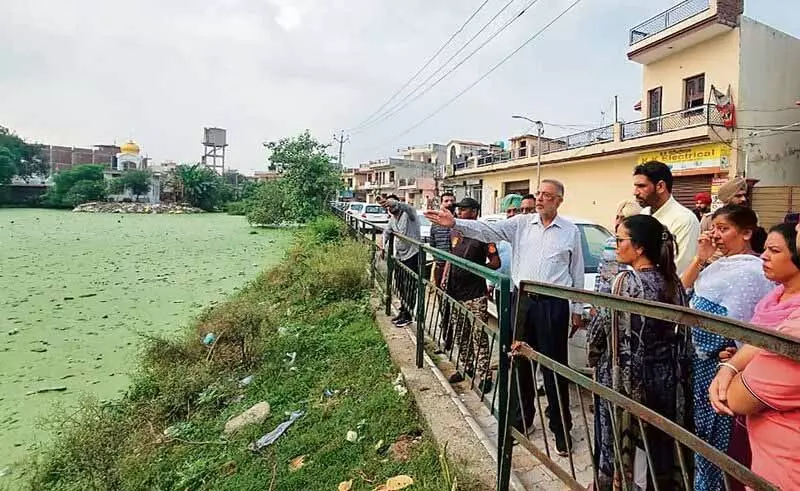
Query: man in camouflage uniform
{"points": [[470, 289]]}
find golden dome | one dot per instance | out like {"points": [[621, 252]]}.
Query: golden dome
{"points": [[130, 147]]}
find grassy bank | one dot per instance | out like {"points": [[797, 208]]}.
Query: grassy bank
{"points": [[305, 332]]}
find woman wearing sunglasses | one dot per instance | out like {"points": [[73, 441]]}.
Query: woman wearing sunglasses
{"points": [[642, 358]]}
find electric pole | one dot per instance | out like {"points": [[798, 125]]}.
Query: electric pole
{"points": [[341, 140]]}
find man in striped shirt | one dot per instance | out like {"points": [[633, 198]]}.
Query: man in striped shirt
{"points": [[440, 236]]}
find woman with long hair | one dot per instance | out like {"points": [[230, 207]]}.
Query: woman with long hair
{"points": [[765, 386], [644, 359], [731, 286]]}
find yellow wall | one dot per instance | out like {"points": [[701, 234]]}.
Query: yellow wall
{"points": [[593, 188], [718, 58]]}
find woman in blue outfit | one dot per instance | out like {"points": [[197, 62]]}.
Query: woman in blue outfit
{"points": [[731, 286]]}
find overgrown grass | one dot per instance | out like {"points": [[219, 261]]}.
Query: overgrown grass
{"points": [[314, 304]]}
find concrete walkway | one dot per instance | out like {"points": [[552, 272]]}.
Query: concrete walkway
{"points": [[457, 416]]}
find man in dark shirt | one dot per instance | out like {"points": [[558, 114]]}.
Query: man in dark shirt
{"points": [[470, 289]]}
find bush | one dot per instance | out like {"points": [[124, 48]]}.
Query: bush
{"points": [[341, 279], [238, 208]]}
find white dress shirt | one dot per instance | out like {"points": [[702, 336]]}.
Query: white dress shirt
{"points": [[684, 225], [549, 254]]}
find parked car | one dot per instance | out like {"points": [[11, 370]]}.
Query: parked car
{"points": [[593, 238]]}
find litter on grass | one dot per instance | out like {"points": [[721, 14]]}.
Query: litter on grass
{"points": [[279, 430]]}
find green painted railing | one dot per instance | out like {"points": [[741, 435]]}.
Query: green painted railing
{"points": [[686, 443]]}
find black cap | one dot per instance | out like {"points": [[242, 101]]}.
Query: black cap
{"points": [[469, 203]]}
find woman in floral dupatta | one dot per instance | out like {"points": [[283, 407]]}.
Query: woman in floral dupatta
{"points": [[644, 359], [731, 286]]}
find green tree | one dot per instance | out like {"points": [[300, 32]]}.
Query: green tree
{"points": [[199, 186], [135, 180], [308, 180], [19, 157], [8, 168], [77, 185], [268, 205]]}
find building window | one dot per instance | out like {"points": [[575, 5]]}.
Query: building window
{"points": [[523, 149], [349, 182], [391, 176], [654, 110], [694, 93]]}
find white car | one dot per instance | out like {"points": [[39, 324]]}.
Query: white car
{"points": [[593, 238], [369, 212]]}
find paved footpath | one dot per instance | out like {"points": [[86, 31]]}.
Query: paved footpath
{"points": [[469, 425]]}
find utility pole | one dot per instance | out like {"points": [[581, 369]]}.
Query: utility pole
{"points": [[341, 140], [539, 133], [616, 109]]}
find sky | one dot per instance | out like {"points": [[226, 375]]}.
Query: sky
{"points": [[83, 72]]}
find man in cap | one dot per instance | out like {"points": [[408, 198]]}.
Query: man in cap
{"points": [[469, 288], [403, 220], [702, 204], [733, 192]]}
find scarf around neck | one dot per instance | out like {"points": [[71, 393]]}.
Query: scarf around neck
{"points": [[770, 311]]}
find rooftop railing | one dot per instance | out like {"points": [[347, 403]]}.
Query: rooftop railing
{"points": [[705, 115], [667, 19]]}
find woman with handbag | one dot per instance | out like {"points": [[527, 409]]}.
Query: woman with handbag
{"points": [[644, 359]]}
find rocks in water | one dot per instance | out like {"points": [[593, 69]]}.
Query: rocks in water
{"points": [[255, 415], [103, 207]]}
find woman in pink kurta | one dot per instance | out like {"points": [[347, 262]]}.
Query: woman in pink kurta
{"points": [[765, 386]]}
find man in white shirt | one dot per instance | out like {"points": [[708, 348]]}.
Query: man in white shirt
{"points": [[652, 187], [547, 248]]}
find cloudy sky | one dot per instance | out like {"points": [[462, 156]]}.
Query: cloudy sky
{"points": [[84, 72]]}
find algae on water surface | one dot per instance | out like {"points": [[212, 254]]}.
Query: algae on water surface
{"points": [[78, 288]]}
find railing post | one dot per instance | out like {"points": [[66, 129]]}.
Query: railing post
{"points": [[389, 248], [373, 247], [505, 386], [420, 306]]}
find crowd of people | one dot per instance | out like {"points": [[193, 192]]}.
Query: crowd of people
{"points": [[743, 400]]}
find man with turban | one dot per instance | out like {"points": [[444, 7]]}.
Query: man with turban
{"points": [[702, 204], [733, 192]]}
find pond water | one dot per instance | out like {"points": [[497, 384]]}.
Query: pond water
{"points": [[76, 291]]}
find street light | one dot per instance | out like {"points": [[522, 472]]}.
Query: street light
{"points": [[539, 133]]}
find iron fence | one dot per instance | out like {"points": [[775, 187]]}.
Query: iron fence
{"points": [[453, 329], [667, 19], [705, 115]]}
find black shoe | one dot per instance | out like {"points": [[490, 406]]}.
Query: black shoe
{"points": [[403, 322], [563, 448], [397, 317], [455, 378]]}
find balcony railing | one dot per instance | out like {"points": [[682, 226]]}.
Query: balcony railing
{"points": [[706, 115], [665, 20], [577, 140]]}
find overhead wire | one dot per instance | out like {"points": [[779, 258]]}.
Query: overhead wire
{"points": [[405, 102], [486, 74], [426, 65]]}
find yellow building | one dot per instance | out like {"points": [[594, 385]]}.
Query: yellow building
{"points": [[694, 57]]}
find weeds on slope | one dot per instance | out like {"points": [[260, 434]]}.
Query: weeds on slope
{"points": [[305, 333]]}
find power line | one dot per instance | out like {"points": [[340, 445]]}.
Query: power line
{"points": [[426, 65], [491, 70], [404, 102]]}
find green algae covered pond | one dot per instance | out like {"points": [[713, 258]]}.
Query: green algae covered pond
{"points": [[78, 290]]}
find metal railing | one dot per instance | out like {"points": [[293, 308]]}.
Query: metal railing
{"points": [[667, 19], [586, 138], [705, 115], [456, 331], [652, 428]]}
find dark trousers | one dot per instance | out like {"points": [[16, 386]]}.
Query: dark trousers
{"points": [[546, 329], [407, 285]]}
